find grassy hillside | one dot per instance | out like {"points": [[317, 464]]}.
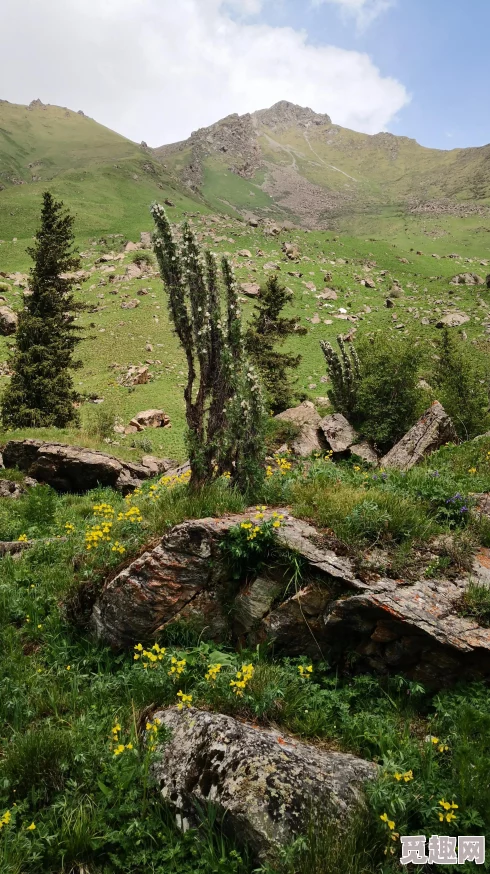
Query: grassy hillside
{"points": [[107, 180]]}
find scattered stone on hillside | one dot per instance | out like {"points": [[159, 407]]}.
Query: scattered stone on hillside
{"points": [[308, 420], [453, 320], [150, 419], [9, 489], [291, 251], [244, 253], [145, 240], [365, 452], [389, 303], [73, 468], [467, 279], [295, 274], [438, 257], [310, 286], [168, 202], [432, 430], [368, 283], [327, 294], [129, 304], [8, 321], [136, 375], [340, 435], [131, 247], [251, 289], [263, 783], [271, 265], [133, 271]]}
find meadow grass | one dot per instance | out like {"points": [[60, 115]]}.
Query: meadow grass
{"points": [[62, 693]]}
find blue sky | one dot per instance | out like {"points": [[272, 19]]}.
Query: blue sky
{"points": [[156, 70], [438, 49]]}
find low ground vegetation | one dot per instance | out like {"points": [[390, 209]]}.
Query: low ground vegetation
{"points": [[75, 784]]}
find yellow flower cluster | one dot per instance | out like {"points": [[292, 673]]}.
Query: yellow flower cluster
{"points": [[177, 667], [23, 538], [441, 747], [152, 729], [5, 819], [98, 534], [252, 529], [278, 519], [407, 776], [131, 515], [169, 482], [448, 808], [213, 671], [185, 700], [152, 656], [282, 466], [472, 470], [103, 511], [242, 678], [391, 825], [305, 672], [117, 746], [118, 547]]}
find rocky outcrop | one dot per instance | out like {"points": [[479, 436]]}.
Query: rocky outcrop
{"points": [[265, 783], [73, 468], [392, 625], [9, 489], [432, 430], [308, 421], [467, 279], [339, 434]]}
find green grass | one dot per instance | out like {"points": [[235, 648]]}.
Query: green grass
{"points": [[61, 694]]}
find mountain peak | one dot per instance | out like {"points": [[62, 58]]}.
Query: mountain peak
{"points": [[285, 114]]}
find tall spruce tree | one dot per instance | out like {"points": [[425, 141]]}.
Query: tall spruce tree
{"points": [[268, 329], [41, 392]]}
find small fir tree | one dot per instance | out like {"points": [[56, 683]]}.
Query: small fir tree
{"points": [[223, 398], [463, 386], [41, 393], [268, 329]]}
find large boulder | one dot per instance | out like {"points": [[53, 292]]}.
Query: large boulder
{"points": [[150, 419], [137, 374], [8, 321], [310, 438], [339, 434], [73, 468], [392, 625], [467, 279], [265, 783], [432, 430]]}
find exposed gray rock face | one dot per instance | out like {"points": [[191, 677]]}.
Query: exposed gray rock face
{"points": [[150, 419], [365, 452], [453, 320], [467, 279], [265, 783], [432, 430], [308, 420], [9, 489], [8, 321], [414, 628], [73, 468], [340, 435]]}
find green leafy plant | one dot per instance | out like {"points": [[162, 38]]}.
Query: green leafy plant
{"points": [[463, 386], [345, 374]]}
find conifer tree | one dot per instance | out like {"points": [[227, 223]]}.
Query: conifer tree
{"points": [[223, 398], [41, 393], [268, 329]]}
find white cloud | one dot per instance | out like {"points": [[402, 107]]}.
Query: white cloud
{"points": [[157, 69], [364, 11]]}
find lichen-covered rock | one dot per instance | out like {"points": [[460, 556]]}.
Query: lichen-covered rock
{"points": [[432, 430], [266, 784], [73, 468], [8, 321]]}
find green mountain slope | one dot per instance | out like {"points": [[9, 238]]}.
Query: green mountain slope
{"points": [[288, 162], [105, 179]]}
